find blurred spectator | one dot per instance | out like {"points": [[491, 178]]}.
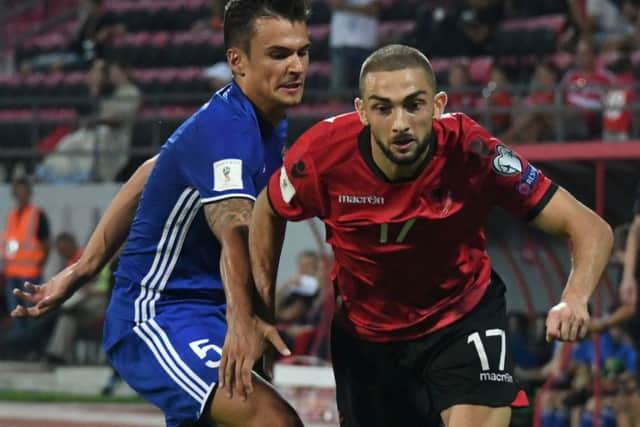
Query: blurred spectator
{"points": [[537, 121], [83, 310], [626, 252], [25, 246], [71, 158], [560, 373], [523, 357], [213, 21], [99, 149], [296, 297], [95, 29], [584, 89], [461, 96], [436, 33], [497, 95], [618, 366], [626, 248], [219, 75], [625, 309], [602, 21], [527, 8], [353, 36], [478, 25], [118, 114], [619, 100]]}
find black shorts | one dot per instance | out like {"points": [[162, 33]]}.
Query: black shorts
{"points": [[408, 383]]}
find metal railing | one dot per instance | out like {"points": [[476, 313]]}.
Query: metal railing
{"points": [[160, 124]]}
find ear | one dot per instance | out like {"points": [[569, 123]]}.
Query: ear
{"points": [[359, 105], [237, 61], [439, 104]]}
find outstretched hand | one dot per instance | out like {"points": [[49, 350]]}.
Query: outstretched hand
{"points": [[47, 296], [246, 341]]}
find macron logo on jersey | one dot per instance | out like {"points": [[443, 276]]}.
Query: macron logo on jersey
{"points": [[227, 175], [360, 200]]}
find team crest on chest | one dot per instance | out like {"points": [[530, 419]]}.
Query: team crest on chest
{"points": [[506, 162]]}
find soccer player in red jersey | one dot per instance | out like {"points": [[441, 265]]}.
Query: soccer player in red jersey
{"points": [[404, 192]]}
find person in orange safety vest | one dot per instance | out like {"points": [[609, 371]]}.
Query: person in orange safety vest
{"points": [[25, 245]]}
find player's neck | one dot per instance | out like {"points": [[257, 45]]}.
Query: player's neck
{"points": [[394, 171], [273, 116], [264, 108]]}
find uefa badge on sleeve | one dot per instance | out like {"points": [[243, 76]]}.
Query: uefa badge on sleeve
{"points": [[506, 162]]}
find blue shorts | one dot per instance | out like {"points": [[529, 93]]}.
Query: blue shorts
{"points": [[171, 359]]}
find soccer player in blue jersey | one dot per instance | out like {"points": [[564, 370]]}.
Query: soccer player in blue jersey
{"points": [[183, 288]]}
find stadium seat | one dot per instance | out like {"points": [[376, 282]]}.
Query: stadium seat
{"points": [[320, 12], [480, 69], [554, 23]]}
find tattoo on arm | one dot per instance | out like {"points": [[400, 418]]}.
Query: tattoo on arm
{"points": [[226, 213]]}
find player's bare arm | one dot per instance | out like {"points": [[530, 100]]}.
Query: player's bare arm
{"points": [[591, 243], [265, 244], [105, 240], [628, 292], [628, 287], [245, 341]]}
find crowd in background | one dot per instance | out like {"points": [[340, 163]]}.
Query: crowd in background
{"points": [[527, 70], [584, 88]]}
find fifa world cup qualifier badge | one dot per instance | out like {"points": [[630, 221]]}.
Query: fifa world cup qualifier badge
{"points": [[227, 175], [506, 162]]}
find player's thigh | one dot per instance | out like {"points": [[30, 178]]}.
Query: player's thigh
{"points": [[471, 363], [476, 416], [171, 360], [265, 407], [370, 389]]}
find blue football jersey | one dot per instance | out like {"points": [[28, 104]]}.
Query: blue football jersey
{"points": [[224, 150]]}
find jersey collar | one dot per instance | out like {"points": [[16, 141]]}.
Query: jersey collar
{"points": [[266, 128], [364, 145]]}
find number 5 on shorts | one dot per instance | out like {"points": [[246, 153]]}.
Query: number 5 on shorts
{"points": [[202, 347], [482, 354]]}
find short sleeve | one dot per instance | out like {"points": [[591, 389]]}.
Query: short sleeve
{"points": [[294, 189], [220, 164], [506, 178]]}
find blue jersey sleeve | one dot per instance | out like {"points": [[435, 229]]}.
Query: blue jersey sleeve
{"points": [[220, 159]]}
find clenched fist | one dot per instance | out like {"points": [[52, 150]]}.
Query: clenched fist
{"points": [[567, 321]]}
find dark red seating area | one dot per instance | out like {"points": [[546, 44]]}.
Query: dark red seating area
{"points": [[15, 91], [148, 15], [152, 81], [22, 128]]}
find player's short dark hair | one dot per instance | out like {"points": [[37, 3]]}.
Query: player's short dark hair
{"points": [[240, 17], [396, 57]]}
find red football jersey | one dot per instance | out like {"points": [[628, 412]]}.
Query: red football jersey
{"points": [[410, 256]]}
